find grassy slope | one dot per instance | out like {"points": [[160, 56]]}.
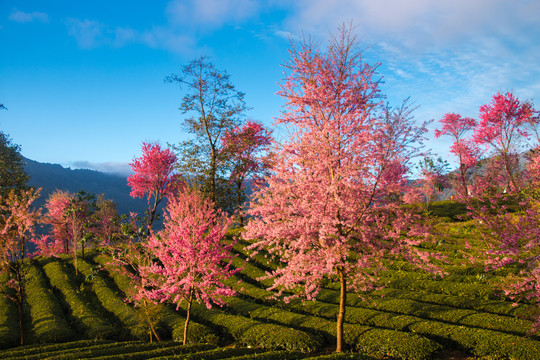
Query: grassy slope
{"points": [[413, 317]]}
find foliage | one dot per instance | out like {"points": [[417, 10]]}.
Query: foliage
{"points": [[456, 126], [88, 322], [153, 177], [326, 212], [214, 106], [502, 128], [12, 173], [48, 322], [246, 149], [189, 253]]}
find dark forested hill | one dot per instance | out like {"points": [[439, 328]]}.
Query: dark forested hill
{"points": [[53, 176]]}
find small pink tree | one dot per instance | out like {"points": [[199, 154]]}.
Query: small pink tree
{"points": [[56, 205], [153, 177], [107, 222], [326, 212], [246, 148], [191, 255], [456, 126], [17, 226]]}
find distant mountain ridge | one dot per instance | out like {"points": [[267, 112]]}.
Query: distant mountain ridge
{"points": [[53, 176]]}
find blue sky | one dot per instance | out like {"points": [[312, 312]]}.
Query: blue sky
{"points": [[83, 80]]}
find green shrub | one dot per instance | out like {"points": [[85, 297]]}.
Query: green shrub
{"points": [[113, 301], [27, 351], [254, 333], [342, 356], [9, 323], [47, 318], [221, 353], [133, 351], [390, 343], [272, 355]]}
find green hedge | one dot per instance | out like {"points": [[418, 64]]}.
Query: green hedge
{"points": [[113, 301], [342, 356], [396, 317], [462, 302], [37, 349], [88, 320], [9, 323], [9, 319], [134, 351], [47, 317], [406, 346], [272, 355], [221, 353]]}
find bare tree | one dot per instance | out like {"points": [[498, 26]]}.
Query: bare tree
{"points": [[214, 106]]}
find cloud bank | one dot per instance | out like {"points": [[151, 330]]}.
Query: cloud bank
{"points": [[25, 17]]}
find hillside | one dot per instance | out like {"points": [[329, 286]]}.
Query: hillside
{"points": [[53, 176], [416, 316]]}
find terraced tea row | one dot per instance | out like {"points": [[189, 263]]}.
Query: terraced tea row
{"points": [[414, 317]]}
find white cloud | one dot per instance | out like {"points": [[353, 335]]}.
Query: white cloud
{"points": [[118, 168], [23, 17], [210, 13], [418, 24], [88, 33]]}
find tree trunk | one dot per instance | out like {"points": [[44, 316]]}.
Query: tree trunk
{"points": [[342, 302], [150, 324], [188, 311], [213, 171], [21, 332], [239, 201], [511, 179], [19, 296]]}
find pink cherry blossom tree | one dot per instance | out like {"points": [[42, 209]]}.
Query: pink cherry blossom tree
{"points": [[502, 128], [153, 177], [509, 237], [192, 257], [17, 226], [247, 150], [56, 206], [457, 127], [326, 213]]}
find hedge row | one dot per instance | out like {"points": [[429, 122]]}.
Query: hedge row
{"points": [[479, 341], [198, 333], [272, 355], [361, 338], [255, 333], [9, 322], [463, 302], [429, 328], [136, 351], [113, 301], [88, 320], [221, 353], [342, 356], [37, 349], [47, 317], [244, 330]]}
